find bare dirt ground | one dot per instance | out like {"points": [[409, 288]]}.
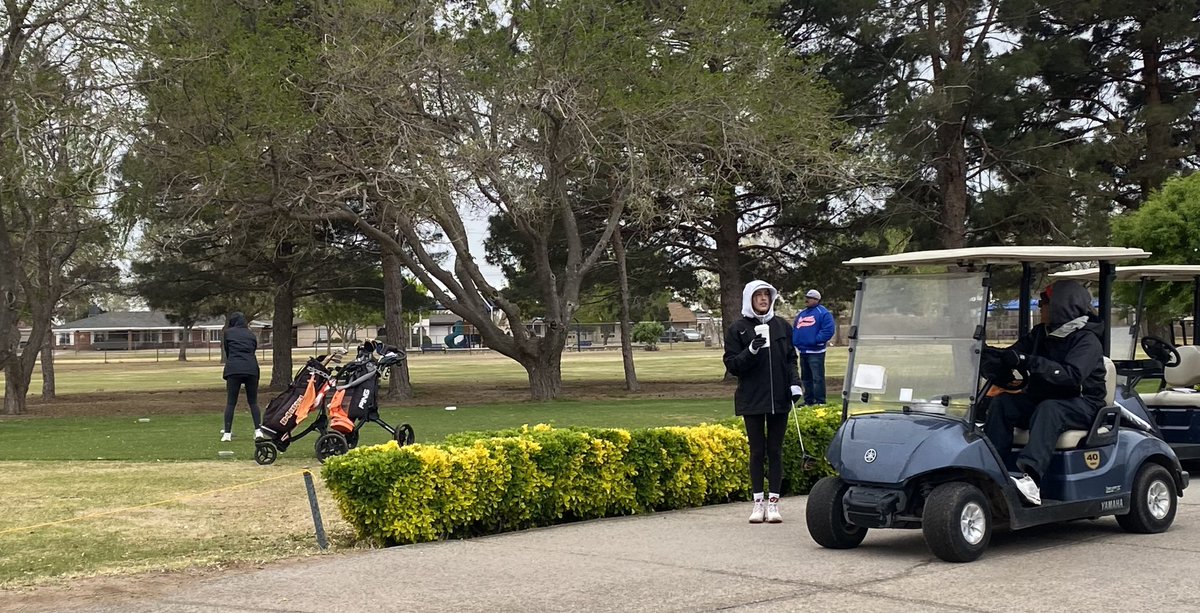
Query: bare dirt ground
{"points": [[109, 589]]}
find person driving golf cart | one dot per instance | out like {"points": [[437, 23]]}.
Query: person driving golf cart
{"points": [[1061, 362]]}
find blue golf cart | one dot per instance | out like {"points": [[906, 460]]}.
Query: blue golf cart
{"points": [[910, 452], [1173, 407]]}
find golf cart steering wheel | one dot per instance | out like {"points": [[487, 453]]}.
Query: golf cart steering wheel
{"points": [[1015, 385], [1161, 351]]}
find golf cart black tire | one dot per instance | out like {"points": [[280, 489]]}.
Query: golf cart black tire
{"points": [[826, 517], [1140, 520], [942, 517], [265, 453], [331, 444]]}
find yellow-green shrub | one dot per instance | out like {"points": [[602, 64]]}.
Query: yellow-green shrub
{"points": [[488, 482]]}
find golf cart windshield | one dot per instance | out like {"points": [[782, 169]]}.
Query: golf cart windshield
{"points": [[1124, 333], [916, 347]]}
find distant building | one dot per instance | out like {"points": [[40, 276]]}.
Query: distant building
{"points": [[128, 330], [680, 316]]}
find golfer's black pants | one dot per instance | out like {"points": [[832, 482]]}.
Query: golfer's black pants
{"points": [[1045, 420], [766, 442], [232, 385]]}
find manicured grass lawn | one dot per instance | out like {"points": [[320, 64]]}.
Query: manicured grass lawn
{"points": [[679, 365], [196, 437]]}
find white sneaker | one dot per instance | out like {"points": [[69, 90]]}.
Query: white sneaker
{"points": [[258, 434], [1028, 489], [773, 516], [226, 437], [760, 509]]}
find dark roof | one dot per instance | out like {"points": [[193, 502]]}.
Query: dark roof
{"points": [[680, 314], [440, 319], [131, 320]]}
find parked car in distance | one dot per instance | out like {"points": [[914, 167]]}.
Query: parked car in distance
{"points": [[689, 335]]}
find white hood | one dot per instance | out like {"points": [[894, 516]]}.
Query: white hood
{"points": [[748, 309]]}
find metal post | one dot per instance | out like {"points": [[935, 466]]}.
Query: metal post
{"points": [[1137, 317], [1107, 272], [1023, 300], [316, 511], [1195, 309]]}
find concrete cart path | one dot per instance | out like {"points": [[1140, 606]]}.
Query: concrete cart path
{"points": [[710, 559]]}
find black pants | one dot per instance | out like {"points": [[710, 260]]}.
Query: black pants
{"points": [[1045, 420], [232, 385], [766, 442]]}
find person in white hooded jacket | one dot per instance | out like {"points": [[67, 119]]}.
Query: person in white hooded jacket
{"points": [[768, 385]]}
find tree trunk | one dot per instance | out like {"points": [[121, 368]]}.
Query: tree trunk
{"points": [[950, 84], [183, 343], [400, 387], [281, 334], [545, 371], [16, 388], [618, 245], [48, 366], [1156, 166], [10, 335], [952, 184], [729, 272]]}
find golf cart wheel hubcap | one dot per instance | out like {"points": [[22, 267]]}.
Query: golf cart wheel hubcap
{"points": [[972, 522], [1158, 499]]}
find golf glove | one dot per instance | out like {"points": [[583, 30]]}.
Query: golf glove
{"points": [[757, 344], [1011, 359]]}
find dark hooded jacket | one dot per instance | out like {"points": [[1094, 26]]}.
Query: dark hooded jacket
{"points": [[1068, 364], [764, 378], [240, 345]]}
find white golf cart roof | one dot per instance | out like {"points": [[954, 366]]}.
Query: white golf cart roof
{"points": [[1164, 272], [999, 255]]}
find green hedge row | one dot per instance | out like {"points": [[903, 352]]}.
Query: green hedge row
{"points": [[487, 482]]}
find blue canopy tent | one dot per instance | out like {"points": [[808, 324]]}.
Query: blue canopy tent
{"points": [[1012, 305]]}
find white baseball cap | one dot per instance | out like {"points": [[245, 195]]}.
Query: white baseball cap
{"points": [[812, 293]]}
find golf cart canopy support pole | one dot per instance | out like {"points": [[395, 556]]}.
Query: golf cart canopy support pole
{"points": [[1195, 309], [1137, 316], [1107, 274], [1024, 298]]}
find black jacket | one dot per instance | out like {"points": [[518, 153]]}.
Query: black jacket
{"points": [[240, 345], [1071, 366], [757, 372]]}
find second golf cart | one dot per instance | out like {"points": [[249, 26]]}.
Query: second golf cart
{"points": [[910, 452], [1173, 407]]}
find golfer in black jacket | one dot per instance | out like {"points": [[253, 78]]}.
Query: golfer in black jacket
{"points": [[241, 370], [759, 352], [1065, 361]]}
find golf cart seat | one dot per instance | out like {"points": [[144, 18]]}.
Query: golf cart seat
{"points": [[1103, 429], [1184, 375]]}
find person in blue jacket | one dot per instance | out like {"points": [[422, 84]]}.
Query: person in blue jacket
{"points": [[811, 332]]}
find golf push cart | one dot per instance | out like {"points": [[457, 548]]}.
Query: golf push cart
{"points": [[1173, 408], [910, 452]]}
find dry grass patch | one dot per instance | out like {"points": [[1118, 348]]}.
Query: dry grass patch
{"points": [[256, 522]]}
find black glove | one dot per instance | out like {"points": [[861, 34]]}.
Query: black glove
{"points": [[757, 344], [797, 394], [1011, 358]]}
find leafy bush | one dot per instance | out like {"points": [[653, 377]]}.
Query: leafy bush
{"points": [[647, 332], [487, 482]]}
